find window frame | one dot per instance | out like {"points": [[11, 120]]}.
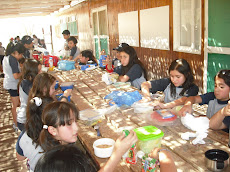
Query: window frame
{"points": [[177, 28]]}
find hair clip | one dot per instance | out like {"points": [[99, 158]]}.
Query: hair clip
{"points": [[225, 72], [38, 101], [45, 127]]}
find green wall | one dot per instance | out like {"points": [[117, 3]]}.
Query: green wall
{"points": [[216, 62]]}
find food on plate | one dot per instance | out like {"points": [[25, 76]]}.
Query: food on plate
{"points": [[104, 146]]}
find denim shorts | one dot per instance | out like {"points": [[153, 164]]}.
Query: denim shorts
{"points": [[13, 93]]}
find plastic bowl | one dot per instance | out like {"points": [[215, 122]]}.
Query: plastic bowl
{"points": [[103, 152], [66, 85]]}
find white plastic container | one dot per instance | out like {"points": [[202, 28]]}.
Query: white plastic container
{"points": [[103, 152]]}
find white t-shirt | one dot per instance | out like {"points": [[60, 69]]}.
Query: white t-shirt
{"points": [[10, 66]]}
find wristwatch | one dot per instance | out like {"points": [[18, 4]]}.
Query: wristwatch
{"points": [[65, 98]]}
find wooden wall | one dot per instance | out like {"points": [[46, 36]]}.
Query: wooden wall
{"points": [[155, 61]]}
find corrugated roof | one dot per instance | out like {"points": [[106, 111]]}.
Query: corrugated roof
{"points": [[21, 8]]}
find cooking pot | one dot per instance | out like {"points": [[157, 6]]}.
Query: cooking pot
{"points": [[216, 159]]}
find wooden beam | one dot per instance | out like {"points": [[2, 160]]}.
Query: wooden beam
{"points": [[26, 5], [29, 10], [22, 15], [31, 13], [32, 9], [31, 1]]}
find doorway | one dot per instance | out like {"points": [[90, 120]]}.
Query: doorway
{"points": [[100, 30]]}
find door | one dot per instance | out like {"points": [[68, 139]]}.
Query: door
{"points": [[100, 30], [217, 40], [47, 35]]}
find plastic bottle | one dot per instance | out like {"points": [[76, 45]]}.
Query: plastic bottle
{"points": [[50, 63], [102, 58], [131, 155]]}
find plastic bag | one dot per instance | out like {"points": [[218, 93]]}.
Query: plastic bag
{"points": [[91, 117], [66, 65], [200, 125], [124, 98], [88, 66], [110, 78], [142, 107]]}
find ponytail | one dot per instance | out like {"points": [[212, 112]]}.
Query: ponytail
{"points": [[46, 140], [34, 124]]}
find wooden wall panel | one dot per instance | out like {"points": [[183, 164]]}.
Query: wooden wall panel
{"points": [[155, 61]]}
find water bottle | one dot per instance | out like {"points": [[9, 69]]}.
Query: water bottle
{"points": [[50, 63], [102, 58]]}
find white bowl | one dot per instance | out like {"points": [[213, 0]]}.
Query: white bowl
{"points": [[103, 152]]}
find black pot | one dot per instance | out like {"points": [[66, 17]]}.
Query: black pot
{"points": [[216, 159]]}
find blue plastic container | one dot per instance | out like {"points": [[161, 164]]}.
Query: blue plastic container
{"points": [[59, 96], [66, 85], [66, 65], [56, 85]]}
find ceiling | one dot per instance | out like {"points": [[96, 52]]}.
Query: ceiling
{"points": [[22, 8]]}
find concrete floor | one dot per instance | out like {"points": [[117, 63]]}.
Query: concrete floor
{"points": [[8, 138]]}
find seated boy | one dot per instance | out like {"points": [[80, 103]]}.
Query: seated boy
{"points": [[221, 120], [114, 65], [216, 100], [75, 51]]}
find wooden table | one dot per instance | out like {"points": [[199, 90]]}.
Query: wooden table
{"points": [[89, 92]]}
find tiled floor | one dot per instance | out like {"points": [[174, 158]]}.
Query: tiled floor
{"points": [[8, 138]]}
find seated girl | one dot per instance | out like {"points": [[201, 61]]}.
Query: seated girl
{"points": [[216, 100], [30, 69], [41, 93], [180, 83], [60, 128], [132, 69]]}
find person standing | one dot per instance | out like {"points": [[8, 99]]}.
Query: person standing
{"points": [[66, 36], [42, 44], [36, 40], [12, 72], [65, 51], [2, 54], [17, 39], [27, 41]]}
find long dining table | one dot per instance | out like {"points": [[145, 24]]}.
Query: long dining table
{"points": [[89, 92]]}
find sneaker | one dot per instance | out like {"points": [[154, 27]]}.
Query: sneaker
{"points": [[15, 128], [28, 164]]}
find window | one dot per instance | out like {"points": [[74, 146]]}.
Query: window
{"points": [[187, 26]]}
